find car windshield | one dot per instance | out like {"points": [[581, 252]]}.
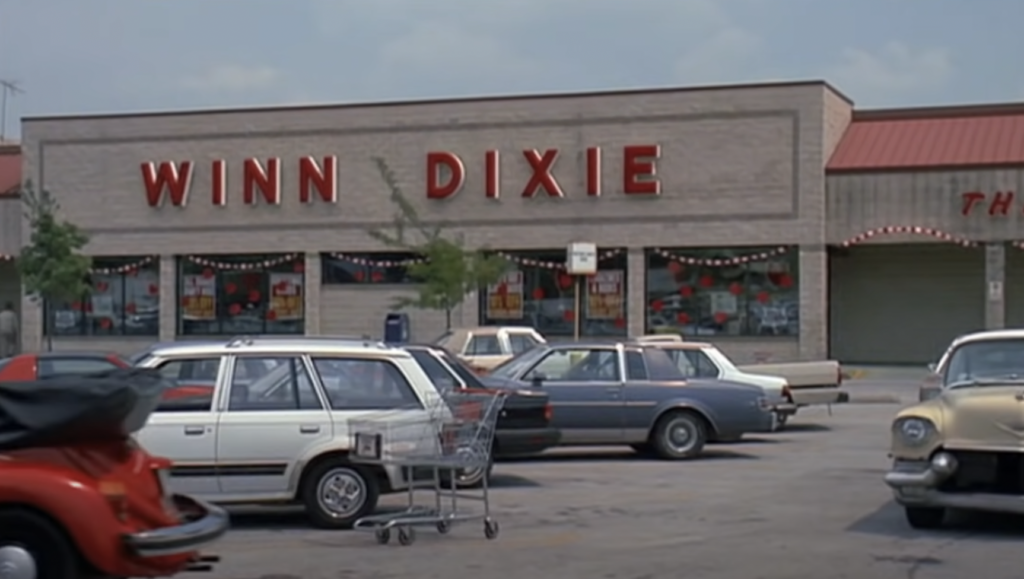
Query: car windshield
{"points": [[469, 378], [984, 363], [513, 367]]}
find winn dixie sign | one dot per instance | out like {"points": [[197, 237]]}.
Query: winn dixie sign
{"points": [[319, 180]]}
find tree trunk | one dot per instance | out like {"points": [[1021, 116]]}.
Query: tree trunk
{"points": [[447, 319], [48, 325]]}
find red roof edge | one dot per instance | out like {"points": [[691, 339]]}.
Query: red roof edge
{"points": [[943, 112]]}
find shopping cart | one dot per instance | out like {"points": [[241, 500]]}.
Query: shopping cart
{"points": [[454, 434]]}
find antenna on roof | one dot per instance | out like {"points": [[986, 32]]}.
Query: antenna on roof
{"points": [[8, 88]]}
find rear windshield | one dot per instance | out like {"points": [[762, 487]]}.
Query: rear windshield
{"points": [[468, 376]]}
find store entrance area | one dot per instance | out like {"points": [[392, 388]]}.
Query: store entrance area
{"points": [[903, 304]]}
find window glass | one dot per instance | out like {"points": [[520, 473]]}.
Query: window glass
{"points": [[365, 384], [723, 292], [538, 294], [124, 301], [464, 372], [636, 367], [50, 367], [435, 370], [272, 383], [693, 363], [577, 365], [194, 379], [986, 360], [250, 294], [366, 268], [482, 345], [521, 342]]}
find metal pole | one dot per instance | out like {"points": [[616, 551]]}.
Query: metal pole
{"points": [[577, 319]]}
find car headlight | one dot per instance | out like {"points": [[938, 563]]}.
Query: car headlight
{"points": [[913, 431]]}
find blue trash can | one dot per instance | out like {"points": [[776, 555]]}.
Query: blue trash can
{"points": [[396, 328]]}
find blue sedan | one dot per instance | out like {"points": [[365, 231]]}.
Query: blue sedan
{"points": [[623, 393]]}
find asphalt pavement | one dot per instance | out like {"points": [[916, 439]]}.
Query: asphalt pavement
{"points": [[807, 502]]}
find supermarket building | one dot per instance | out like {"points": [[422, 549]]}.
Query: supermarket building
{"points": [[775, 220]]}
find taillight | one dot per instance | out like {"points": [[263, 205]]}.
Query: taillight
{"points": [[787, 393], [839, 375], [549, 412], [117, 495]]}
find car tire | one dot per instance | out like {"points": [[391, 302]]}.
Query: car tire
{"points": [[925, 517], [31, 541], [468, 478], [337, 493], [679, 435]]}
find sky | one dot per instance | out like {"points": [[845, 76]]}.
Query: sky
{"points": [[91, 56]]}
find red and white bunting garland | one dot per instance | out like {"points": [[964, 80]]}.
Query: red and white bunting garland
{"points": [[244, 266], [527, 262], [121, 269], [908, 230], [376, 262], [723, 262]]}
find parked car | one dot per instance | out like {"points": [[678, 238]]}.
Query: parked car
{"points": [[50, 364], [703, 360], [964, 447], [625, 393], [79, 498], [524, 424], [809, 383], [273, 425], [485, 347]]}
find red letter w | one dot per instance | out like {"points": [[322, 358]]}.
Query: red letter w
{"points": [[176, 178]]}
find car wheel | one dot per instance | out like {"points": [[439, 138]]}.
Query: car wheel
{"points": [[468, 478], [679, 435], [336, 494], [32, 546], [925, 517]]}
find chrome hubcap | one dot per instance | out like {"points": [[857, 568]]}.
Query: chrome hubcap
{"points": [[681, 436], [341, 492], [16, 563]]}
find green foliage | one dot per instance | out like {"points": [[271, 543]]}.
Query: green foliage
{"points": [[51, 266], [448, 271]]}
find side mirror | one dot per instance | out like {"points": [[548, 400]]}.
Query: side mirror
{"points": [[537, 380], [933, 367]]}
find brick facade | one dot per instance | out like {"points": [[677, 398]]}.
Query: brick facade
{"points": [[739, 166]]}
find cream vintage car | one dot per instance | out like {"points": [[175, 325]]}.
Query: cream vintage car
{"points": [[485, 347], [963, 447]]}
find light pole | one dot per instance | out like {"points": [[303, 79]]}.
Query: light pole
{"points": [[8, 88]]}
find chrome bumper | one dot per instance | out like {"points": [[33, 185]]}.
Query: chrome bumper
{"points": [[185, 538], [915, 484]]}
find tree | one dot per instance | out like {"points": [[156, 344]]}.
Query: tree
{"points": [[51, 266], [447, 271]]}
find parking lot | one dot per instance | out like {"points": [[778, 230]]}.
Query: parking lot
{"points": [[805, 502]]}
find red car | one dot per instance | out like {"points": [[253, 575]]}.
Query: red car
{"points": [[79, 497], [50, 364]]}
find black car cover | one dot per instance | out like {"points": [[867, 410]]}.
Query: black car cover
{"points": [[75, 409]]}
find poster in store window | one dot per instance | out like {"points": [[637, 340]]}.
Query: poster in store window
{"points": [[286, 297], [199, 297], [505, 298], [605, 299]]}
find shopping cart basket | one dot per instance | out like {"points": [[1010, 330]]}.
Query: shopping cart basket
{"points": [[431, 448]]}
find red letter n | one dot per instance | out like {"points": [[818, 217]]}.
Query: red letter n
{"points": [[175, 178], [324, 179]]}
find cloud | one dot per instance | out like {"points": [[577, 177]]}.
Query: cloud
{"points": [[232, 78], [894, 71]]}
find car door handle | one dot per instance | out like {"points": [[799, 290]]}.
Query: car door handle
{"points": [[194, 430], [309, 429]]}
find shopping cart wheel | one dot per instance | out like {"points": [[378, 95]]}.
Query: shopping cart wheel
{"points": [[383, 536], [491, 529], [406, 535], [444, 527]]}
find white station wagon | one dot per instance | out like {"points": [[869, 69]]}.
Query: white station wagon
{"points": [[266, 420]]}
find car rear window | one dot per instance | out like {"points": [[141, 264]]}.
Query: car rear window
{"points": [[438, 374]]}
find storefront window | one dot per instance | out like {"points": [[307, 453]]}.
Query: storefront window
{"points": [[723, 292], [245, 294], [366, 268], [537, 292], [124, 301]]}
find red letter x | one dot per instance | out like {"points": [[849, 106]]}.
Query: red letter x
{"points": [[542, 177]]}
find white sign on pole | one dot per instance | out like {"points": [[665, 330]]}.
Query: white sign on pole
{"points": [[581, 259]]}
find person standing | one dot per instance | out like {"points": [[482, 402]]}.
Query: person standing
{"points": [[8, 331]]}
